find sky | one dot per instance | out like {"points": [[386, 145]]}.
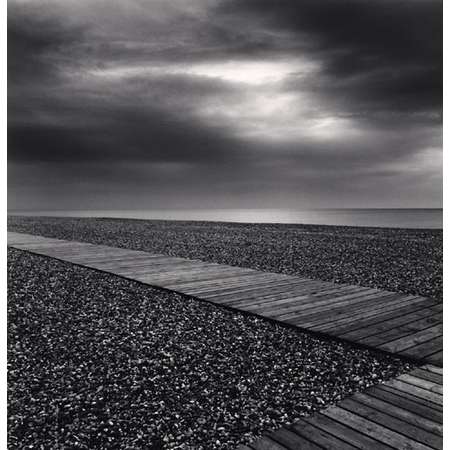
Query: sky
{"points": [[150, 104]]}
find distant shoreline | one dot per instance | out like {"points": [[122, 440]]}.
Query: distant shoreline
{"points": [[408, 218]]}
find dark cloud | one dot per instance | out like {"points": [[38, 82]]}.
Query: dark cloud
{"points": [[377, 51], [123, 135], [224, 104], [37, 46], [360, 34]]}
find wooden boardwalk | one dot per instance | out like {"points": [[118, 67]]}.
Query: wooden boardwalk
{"points": [[406, 325], [404, 413]]}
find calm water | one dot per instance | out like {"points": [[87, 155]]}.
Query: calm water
{"points": [[398, 218]]}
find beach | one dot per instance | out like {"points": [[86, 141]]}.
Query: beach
{"points": [[96, 361], [400, 260]]}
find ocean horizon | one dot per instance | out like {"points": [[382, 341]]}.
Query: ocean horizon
{"points": [[367, 217]]}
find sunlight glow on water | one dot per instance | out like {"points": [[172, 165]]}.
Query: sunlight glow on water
{"points": [[397, 218]]}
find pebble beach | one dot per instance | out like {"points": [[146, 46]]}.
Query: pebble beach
{"points": [[96, 361], [399, 260]]}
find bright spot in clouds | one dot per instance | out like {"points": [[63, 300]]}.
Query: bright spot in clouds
{"points": [[257, 104], [247, 72]]}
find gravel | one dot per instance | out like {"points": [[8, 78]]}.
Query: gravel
{"points": [[96, 361], [401, 260]]}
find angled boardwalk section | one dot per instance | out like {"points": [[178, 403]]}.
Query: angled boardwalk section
{"points": [[404, 413], [401, 324]]}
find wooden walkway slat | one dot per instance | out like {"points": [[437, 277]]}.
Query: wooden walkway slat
{"points": [[416, 391], [365, 333], [334, 327], [292, 441], [409, 328], [264, 288], [396, 323], [403, 413], [380, 418], [343, 432], [321, 321], [421, 336], [407, 403], [292, 288], [435, 358], [430, 376], [320, 437], [367, 321]]}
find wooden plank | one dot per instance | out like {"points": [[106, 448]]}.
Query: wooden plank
{"points": [[426, 375], [206, 277], [62, 246], [170, 273], [185, 270], [104, 257], [85, 250], [186, 284], [389, 323], [340, 290], [372, 429], [419, 382], [330, 325], [422, 351], [252, 297], [362, 321], [207, 286], [276, 305], [161, 263], [335, 310], [293, 441], [319, 436], [249, 294], [246, 280], [416, 391], [410, 417], [265, 443], [433, 369], [313, 304], [241, 280], [242, 294], [413, 433], [392, 390], [327, 315], [125, 260], [128, 259], [401, 331], [343, 432], [287, 293], [146, 266], [412, 340], [435, 358], [407, 403]]}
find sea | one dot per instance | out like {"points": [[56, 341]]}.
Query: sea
{"points": [[391, 218]]}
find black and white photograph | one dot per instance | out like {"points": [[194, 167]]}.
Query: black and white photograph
{"points": [[224, 224]]}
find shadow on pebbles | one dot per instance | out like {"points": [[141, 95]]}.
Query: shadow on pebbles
{"points": [[96, 361]]}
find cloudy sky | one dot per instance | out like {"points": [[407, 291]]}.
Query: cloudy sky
{"points": [[144, 104]]}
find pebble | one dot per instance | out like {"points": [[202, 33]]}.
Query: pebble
{"points": [[400, 260], [97, 361]]}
